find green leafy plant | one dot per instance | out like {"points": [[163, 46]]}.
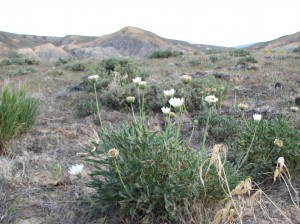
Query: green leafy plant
{"points": [[255, 148], [145, 175], [18, 113]]}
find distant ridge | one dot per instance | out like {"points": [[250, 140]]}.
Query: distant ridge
{"points": [[284, 43], [129, 41]]}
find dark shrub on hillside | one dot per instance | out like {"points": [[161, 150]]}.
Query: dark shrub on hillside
{"points": [[240, 53], [247, 60], [164, 54]]}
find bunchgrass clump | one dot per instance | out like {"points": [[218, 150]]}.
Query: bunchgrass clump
{"points": [[18, 113]]}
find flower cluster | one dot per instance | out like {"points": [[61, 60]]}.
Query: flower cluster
{"points": [[211, 99], [93, 77], [169, 93], [176, 102]]}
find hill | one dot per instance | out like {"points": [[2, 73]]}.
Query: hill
{"points": [[284, 43], [129, 41]]}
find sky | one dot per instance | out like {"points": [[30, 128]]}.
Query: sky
{"points": [[215, 22]]}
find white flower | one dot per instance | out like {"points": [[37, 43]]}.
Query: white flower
{"points": [[257, 117], [169, 93], [176, 102], [165, 110], [280, 162], [294, 109], [211, 99], [93, 77], [137, 80], [76, 170], [130, 99]]}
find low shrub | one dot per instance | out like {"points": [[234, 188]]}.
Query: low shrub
{"points": [[86, 108], [195, 62], [76, 67], [222, 127], [18, 113], [164, 54], [296, 50], [240, 53], [247, 60], [263, 152], [199, 88], [214, 58]]}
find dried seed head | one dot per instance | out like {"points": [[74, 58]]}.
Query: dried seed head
{"points": [[113, 153], [276, 173], [278, 142]]}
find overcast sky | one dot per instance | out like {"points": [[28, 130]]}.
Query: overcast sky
{"points": [[215, 22]]}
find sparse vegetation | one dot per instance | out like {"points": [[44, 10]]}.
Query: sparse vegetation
{"points": [[19, 60], [20, 72], [206, 162]]}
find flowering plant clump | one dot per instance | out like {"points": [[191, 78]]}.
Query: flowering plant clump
{"points": [[211, 99], [146, 168], [257, 117], [176, 102], [257, 146], [169, 93], [165, 110], [76, 170]]}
